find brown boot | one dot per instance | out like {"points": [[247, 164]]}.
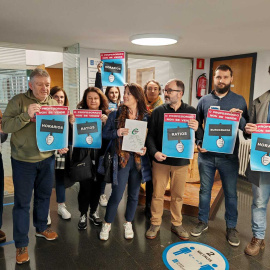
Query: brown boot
{"points": [[22, 255], [2, 236], [253, 248]]}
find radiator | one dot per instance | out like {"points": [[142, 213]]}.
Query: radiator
{"points": [[243, 153]]}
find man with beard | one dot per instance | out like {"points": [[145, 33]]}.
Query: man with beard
{"points": [[227, 164], [165, 168]]}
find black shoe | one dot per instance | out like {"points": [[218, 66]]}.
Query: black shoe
{"points": [[147, 211], [82, 225], [232, 237], [95, 219], [199, 228]]}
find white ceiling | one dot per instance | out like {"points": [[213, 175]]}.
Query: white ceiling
{"points": [[207, 28]]}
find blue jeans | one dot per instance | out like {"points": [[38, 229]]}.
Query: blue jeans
{"points": [[60, 186], [26, 178], [259, 206], [133, 177], [1, 188], [227, 165]]}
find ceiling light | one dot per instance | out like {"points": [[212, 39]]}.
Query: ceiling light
{"points": [[153, 39]]}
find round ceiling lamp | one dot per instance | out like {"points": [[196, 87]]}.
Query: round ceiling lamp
{"points": [[153, 39]]}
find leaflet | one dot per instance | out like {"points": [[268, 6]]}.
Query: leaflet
{"points": [[87, 129], [52, 128], [220, 131], [178, 138], [135, 139]]}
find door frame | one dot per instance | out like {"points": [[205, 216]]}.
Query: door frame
{"points": [[253, 71]]}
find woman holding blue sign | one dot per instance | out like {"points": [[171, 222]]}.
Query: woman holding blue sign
{"points": [[113, 95], [61, 162], [89, 193], [128, 167]]}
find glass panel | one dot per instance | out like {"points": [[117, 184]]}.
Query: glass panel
{"points": [[142, 68], [71, 70], [13, 80]]}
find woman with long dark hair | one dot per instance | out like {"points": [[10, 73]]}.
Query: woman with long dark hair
{"points": [[132, 167], [88, 197]]}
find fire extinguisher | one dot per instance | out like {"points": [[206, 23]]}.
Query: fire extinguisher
{"points": [[201, 86]]}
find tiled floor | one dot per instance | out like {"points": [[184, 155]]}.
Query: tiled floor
{"points": [[83, 250]]}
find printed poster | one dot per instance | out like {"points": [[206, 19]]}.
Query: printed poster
{"points": [[135, 139], [52, 128], [87, 129], [178, 138], [220, 131], [113, 70], [260, 148]]}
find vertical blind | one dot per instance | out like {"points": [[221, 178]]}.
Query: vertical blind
{"points": [[13, 80]]}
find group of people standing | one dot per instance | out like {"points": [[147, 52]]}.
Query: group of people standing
{"points": [[35, 170]]}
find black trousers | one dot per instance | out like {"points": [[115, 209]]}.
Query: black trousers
{"points": [[149, 193], [88, 196]]}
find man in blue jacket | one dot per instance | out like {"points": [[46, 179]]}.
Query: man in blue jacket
{"points": [[227, 164]]}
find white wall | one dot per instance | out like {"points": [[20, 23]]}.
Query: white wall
{"points": [[262, 77], [36, 58], [196, 74]]}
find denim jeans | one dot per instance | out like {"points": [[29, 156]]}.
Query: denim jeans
{"points": [[60, 186], [27, 177], [227, 165], [259, 206], [1, 189], [133, 177]]}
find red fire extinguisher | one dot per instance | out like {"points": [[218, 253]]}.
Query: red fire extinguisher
{"points": [[201, 85]]}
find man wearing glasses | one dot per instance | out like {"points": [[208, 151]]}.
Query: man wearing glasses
{"points": [[227, 164], [165, 168]]}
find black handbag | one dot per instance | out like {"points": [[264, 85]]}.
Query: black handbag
{"points": [[105, 164], [81, 170]]}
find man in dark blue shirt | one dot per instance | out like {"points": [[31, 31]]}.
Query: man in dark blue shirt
{"points": [[227, 164]]}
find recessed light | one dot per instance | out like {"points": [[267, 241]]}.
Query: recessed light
{"points": [[153, 39]]}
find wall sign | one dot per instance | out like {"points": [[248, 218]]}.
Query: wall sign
{"points": [[200, 63], [193, 256]]}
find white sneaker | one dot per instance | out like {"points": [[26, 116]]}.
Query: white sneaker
{"points": [[49, 221], [103, 200], [63, 212], [129, 234], [105, 230]]}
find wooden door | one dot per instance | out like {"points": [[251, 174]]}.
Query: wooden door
{"points": [[242, 75]]}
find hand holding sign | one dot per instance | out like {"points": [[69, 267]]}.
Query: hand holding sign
{"points": [[33, 109], [235, 110], [194, 124], [250, 128], [122, 132]]}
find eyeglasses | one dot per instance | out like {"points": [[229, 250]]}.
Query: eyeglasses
{"points": [[169, 91]]}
